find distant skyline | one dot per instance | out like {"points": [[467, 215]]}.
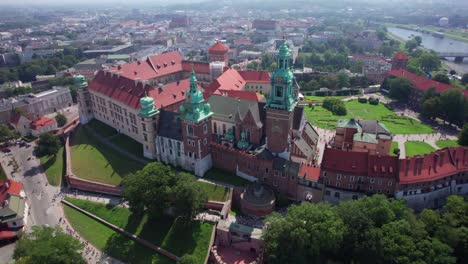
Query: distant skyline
{"points": [[93, 2]]}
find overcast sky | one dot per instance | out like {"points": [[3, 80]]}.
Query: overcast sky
{"points": [[100, 2]]}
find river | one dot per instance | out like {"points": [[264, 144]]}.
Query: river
{"points": [[437, 44]]}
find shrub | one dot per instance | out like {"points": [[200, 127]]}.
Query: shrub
{"points": [[373, 101], [336, 106], [362, 100], [396, 151]]}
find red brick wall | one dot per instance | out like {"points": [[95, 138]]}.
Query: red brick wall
{"points": [[278, 124]]}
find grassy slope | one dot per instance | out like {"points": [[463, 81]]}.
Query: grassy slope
{"points": [[54, 167], [323, 118], [175, 236], [214, 192], [93, 160], [413, 148], [447, 143], [226, 177]]}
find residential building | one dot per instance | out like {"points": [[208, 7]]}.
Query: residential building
{"points": [[13, 209], [42, 125]]}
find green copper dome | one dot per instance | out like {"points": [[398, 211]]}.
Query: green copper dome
{"points": [[195, 108], [147, 107], [80, 81]]}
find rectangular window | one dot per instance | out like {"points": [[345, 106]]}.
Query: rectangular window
{"points": [[338, 176], [205, 128], [351, 178], [371, 187], [145, 137], [324, 174], [371, 180], [144, 126], [390, 183], [190, 130]]}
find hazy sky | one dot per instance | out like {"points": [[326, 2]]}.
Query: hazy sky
{"points": [[100, 2]]}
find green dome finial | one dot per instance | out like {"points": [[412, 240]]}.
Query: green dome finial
{"points": [[147, 107]]}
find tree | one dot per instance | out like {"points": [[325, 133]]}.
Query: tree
{"points": [[61, 120], [187, 259], [48, 144], [411, 45], [464, 78], [150, 189], [189, 198], [418, 40], [453, 104], [400, 88], [440, 77], [46, 245], [463, 135], [334, 105], [6, 133], [431, 107], [305, 235], [429, 61], [343, 80]]}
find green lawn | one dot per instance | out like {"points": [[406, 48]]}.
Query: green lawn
{"points": [[323, 118], [393, 147], [413, 148], [226, 177], [175, 236], [93, 160], [447, 143], [214, 192], [2, 174], [101, 128], [128, 144], [54, 167], [321, 98]]}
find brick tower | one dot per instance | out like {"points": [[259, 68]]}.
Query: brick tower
{"points": [[399, 61], [219, 52], [84, 99], [195, 116], [280, 105]]}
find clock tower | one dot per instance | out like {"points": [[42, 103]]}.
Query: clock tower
{"points": [[280, 104]]}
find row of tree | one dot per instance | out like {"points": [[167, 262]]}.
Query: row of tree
{"points": [[450, 105], [369, 230], [27, 71], [334, 105]]}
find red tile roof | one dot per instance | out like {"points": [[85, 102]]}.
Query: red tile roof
{"points": [[422, 83], [198, 67], [243, 95], [218, 47], [7, 234], [359, 163], [129, 92], [229, 80], [400, 56], [42, 122], [309, 172], [433, 166], [9, 187], [153, 67], [255, 76]]}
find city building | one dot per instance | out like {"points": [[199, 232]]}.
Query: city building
{"points": [[13, 209], [42, 125], [219, 52]]}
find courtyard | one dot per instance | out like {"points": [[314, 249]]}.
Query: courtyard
{"points": [[174, 235], [396, 124]]}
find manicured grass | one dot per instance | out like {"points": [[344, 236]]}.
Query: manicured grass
{"points": [[2, 174], [175, 236], [128, 144], [447, 143], [226, 177], [54, 167], [393, 147], [413, 148], [214, 192], [321, 98], [323, 118], [93, 160]]}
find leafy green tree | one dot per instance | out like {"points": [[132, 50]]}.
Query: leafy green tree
{"points": [[440, 77], [400, 88], [418, 40], [46, 245], [463, 135], [411, 45], [307, 234], [189, 198], [453, 104], [334, 105], [48, 144], [429, 61], [343, 80], [431, 220], [6, 133], [61, 120], [431, 107], [150, 189]]}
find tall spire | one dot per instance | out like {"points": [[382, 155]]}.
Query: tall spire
{"points": [[193, 82], [195, 108]]}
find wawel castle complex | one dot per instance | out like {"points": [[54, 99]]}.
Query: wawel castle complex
{"points": [[199, 115]]}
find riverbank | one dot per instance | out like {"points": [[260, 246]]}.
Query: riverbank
{"points": [[448, 32]]}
